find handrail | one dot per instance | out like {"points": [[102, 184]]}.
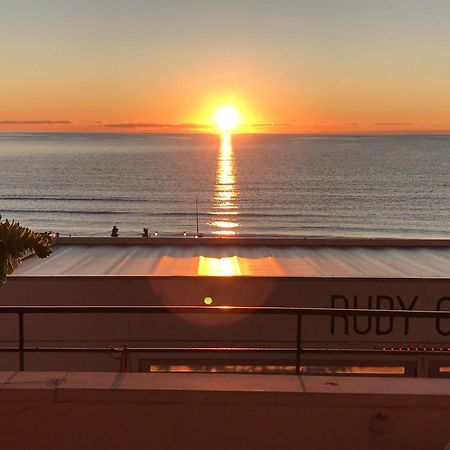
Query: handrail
{"points": [[284, 310], [299, 312]]}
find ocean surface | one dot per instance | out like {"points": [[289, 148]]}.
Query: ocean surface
{"points": [[278, 185]]}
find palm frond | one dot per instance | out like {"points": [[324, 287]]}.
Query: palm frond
{"points": [[16, 242]]}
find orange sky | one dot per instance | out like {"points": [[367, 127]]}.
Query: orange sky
{"points": [[308, 67]]}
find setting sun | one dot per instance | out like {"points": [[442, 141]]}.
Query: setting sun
{"points": [[227, 118]]}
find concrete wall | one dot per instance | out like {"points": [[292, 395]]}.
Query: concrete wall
{"points": [[45, 411]]}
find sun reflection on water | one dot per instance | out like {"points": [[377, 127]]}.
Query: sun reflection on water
{"points": [[226, 194]]}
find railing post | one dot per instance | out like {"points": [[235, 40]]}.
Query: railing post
{"points": [[21, 343], [299, 343], [123, 366]]}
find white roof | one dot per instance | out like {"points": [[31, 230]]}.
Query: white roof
{"points": [[259, 261]]}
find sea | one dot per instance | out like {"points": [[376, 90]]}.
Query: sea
{"points": [[83, 184]]}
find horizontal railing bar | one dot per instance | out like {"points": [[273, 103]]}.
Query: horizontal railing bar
{"points": [[222, 309], [226, 349], [371, 351], [148, 349]]}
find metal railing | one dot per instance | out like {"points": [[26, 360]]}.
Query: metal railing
{"points": [[299, 313]]}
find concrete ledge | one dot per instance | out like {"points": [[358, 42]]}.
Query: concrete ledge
{"points": [[67, 410], [255, 241]]}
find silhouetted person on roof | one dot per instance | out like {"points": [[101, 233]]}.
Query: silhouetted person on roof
{"points": [[114, 231], [145, 233]]}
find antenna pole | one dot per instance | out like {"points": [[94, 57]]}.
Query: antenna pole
{"points": [[196, 212]]}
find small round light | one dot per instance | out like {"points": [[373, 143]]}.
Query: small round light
{"points": [[208, 301]]}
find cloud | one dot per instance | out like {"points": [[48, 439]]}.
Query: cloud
{"points": [[393, 123], [171, 126], [187, 127], [351, 124], [181, 126], [34, 122], [267, 125]]}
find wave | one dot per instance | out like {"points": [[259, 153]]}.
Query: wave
{"points": [[46, 212], [74, 199], [269, 220], [58, 212]]}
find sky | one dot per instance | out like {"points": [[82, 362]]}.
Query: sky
{"points": [[306, 66]]}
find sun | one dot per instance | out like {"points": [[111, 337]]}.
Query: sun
{"points": [[227, 118]]}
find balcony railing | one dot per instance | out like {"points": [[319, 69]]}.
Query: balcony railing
{"points": [[301, 314]]}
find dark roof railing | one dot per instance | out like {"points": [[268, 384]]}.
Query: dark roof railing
{"points": [[299, 313]]}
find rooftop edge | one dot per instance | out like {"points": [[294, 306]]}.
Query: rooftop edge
{"points": [[254, 241]]}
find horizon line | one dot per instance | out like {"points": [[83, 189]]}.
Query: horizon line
{"points": [[195, 132]]}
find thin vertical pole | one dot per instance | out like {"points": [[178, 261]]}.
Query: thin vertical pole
{"points": [[299, 344], [21, 344], [196, 212]]}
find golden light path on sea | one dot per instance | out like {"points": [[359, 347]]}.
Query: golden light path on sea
{"points": [[225, 207]]}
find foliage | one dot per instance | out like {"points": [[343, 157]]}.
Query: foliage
{"points": [[16, 242]]}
